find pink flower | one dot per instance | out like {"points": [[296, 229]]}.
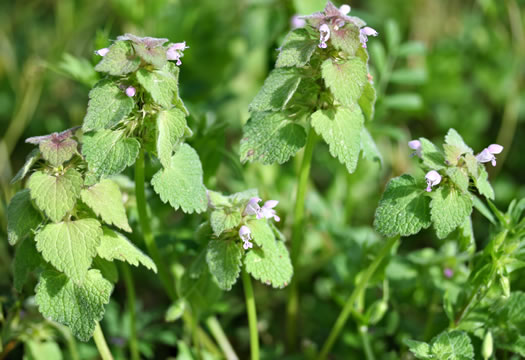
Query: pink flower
{"points": [[364, 33], [102, 52], [175, 52], [297, 22], [448, 272], [415, 145], [246, 235], [131, 91], [433, 178], [324, 31], [266, 211], [488, 154]]}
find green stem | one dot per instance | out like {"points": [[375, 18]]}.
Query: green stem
{"points": [[70, 340], [101, 344], [297, 236], [145, 222], [130, 294], [349, 305], [216, 330], [153, 250], [363, 331], [252, 315]]}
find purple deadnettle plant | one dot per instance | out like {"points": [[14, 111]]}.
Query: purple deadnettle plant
{"points": [[487, 155]]}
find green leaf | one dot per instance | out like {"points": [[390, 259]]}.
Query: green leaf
{"points": [[465, 238], [421, 350], [105, 199], [55, 195], [109, 152], [70, 246], [472, 165], [367, 101], [431, 156], [31, 160], [162, 84], [346, 80], [120, 60], [459, 177], [114, 245], [224, 219], [107, 106], [181, 183], [369, 147], [297, 49], [77, 305], [404, 208], [22, 217], [271, 138], [175, 311], [45, 350], [171, 127], [449, 208], [453, 138], [453, 345], [346, 38], [271, 265], [277, 90], [57, 152], [26, 260], [262, 233], [224, 260], [108, 269], [154, 55], [483, 184], [341, 130]]}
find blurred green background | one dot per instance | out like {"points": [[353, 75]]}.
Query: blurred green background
{"points": [[436, 64]]}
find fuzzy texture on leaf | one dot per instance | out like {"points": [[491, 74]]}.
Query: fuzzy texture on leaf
{"points": [[224, 219], [105, 199], [262, 233], [120, 60], [451, 345], [55, 195], [277, 90], [482, 183], [26, 260], [70, 246], [341, 130], [109, 152], [171, 127], [116, 246], [181, 184], [271, 138], [346, 80], [431, 156], [271, 265], [346, 39], [107, 106], [297, 49], [224, 260], [459, 177], [22, 217], [404, 208], [31, 160], [449, 208], [57, 152], [162, 84], [79, 306]]}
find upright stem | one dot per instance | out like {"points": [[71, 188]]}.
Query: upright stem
{"points": [[153, 251], [349, 305], [252, 315], [297, 236], [101, 344], [363, 331], [130, 294], [216, 330]]}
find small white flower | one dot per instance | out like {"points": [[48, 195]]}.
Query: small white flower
{"points": [[131, 91], [487, 155], [364, 33], [344, 9], [266, 211], [324, 31], [102, 52], [297, 22], [415, 145], [433, 178], [246, 235]]}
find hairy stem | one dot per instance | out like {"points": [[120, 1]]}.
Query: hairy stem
{"points": [[130, 294], [216, 330], [363, 331], [101, 344], [252, 315], [153, 250], [297, 236], [350, 303]]}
